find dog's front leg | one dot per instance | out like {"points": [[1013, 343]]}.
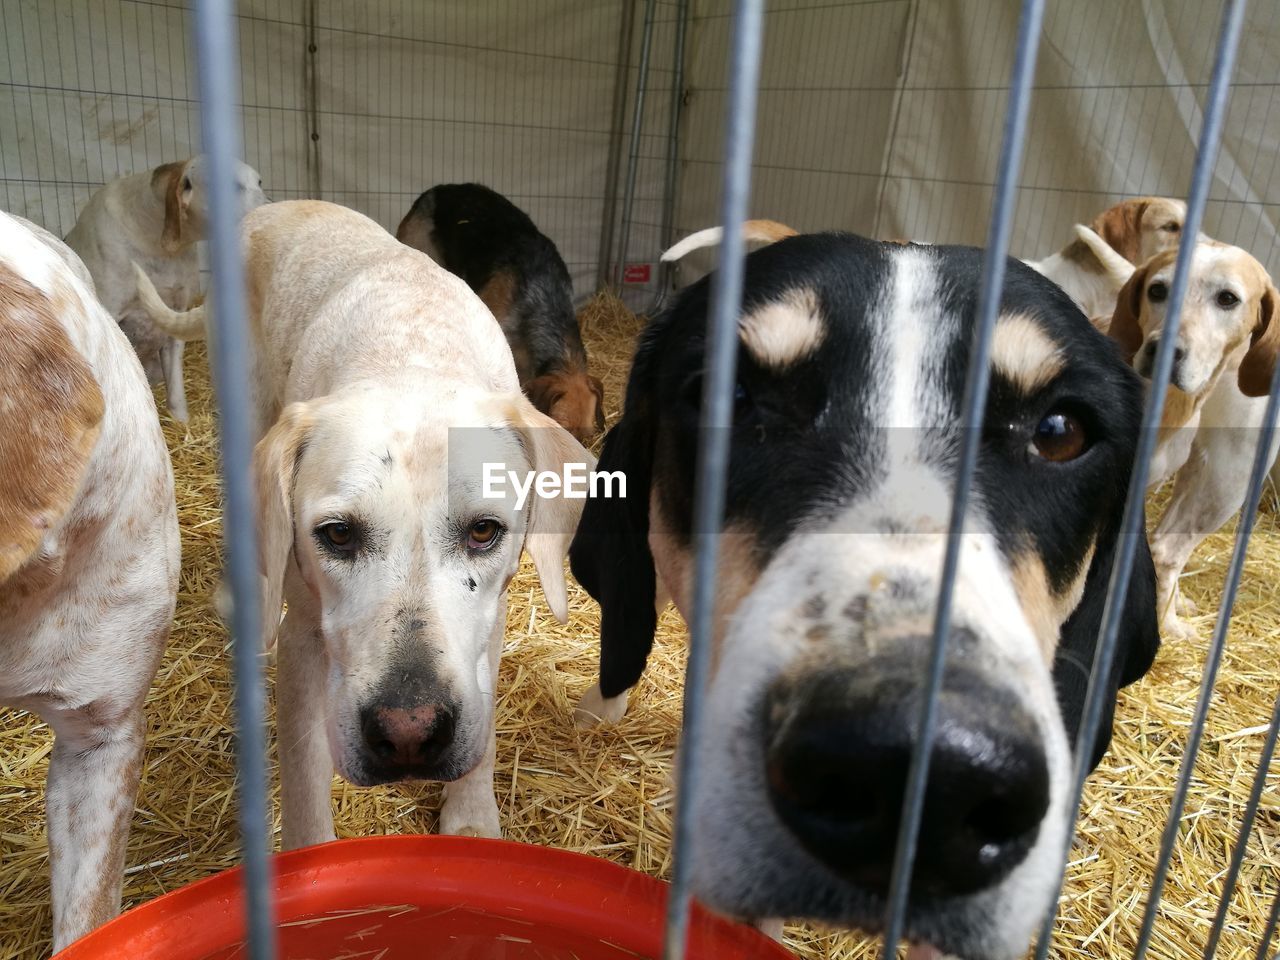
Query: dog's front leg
{"points": [[93, 782], [470, 809], [306, 768]]}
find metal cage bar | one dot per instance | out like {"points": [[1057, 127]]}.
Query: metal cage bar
{"points": [[667, 237], [1270, 931], [1134, 513], [214, 29], [713, 449], [637, 128], [973, 410], [1246, 827]]}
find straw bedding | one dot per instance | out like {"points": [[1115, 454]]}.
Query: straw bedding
{"points": [[607, 792]]}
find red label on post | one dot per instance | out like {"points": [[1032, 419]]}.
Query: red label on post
{"points": [[636, 273]]}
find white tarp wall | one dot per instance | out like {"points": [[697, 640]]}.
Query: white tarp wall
{"points": [[880, 116], [407, 94], [884, 117]]}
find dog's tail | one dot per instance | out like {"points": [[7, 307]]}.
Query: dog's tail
{"points": [[769, 231], [1112, 261], [182, 325]]}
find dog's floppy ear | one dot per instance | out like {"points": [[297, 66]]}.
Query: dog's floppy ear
{"points": [[1121, 227], [610, 555], [1125, 328], [50, 415], [552, 520], [168, 181], [1259, 363], [275, 462], [1138, 640]]}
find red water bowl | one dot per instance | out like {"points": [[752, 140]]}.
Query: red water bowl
{"points": [[414, 897]]}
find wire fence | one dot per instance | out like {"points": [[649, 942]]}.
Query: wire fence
{"points": [[409, 95]]}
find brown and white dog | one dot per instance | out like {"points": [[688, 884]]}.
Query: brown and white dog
{"points": [[381, 383], [489, 242], [1096, 264], [1227, 343], [88, 558], [851, 366], [155, 220]]}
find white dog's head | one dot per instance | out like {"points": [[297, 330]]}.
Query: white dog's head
{"points": [[376, 526], [1227, 318], [183, 189]]}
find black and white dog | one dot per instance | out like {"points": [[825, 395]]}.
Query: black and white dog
{"points": [[851, 367]]}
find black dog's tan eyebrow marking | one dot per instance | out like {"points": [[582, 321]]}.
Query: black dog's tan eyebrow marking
{"points": [[1024, 353], [783, 331]]}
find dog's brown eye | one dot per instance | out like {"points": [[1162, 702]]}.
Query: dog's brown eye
{"points": [[1173, 227], [1158, 292], [1226, 299], [483, 534], [339, 536], [1059, 437]]}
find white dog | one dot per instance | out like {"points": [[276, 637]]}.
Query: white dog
{"points": [[1228, 340], [154, 219], [385, 382], [88, 558]]}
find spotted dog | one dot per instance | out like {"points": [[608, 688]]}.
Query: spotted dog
{"points": [[851, 365]]}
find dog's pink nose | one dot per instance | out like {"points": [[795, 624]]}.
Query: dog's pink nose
{"points": [[408, 738]]}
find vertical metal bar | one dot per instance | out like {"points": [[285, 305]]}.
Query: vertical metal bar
{"points": [[621, 78], [1270, 931], [637, 127], [311, 84], [713, 447], [1132, 522], [1246, 827], [215, 39], [673, 157], [1248, 515], [974, 411]]}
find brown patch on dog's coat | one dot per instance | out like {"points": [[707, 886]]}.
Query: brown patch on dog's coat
{"points": [[785, 331], [167, 180], [572, 398], [1122, 225], [1022, 351], [1047, 609], [50, 412]]}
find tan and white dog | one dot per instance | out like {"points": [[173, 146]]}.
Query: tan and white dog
{"points": [[154, 219], [1227, 343], [88, 558], [384, 381], [1096, 264]]}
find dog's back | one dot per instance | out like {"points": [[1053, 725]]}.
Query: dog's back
{"points": [[481, 236], [327, 299]]}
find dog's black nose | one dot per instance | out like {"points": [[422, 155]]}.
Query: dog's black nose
{"points": [[407, 738], [839, 745]]}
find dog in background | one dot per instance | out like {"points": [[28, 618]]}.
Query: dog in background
{"points": [[88, 558], [515, 269], [1227, 343], [851, 362], [155, 220], [374, 370], [1096, 264]]}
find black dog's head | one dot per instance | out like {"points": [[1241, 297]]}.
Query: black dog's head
{"points": [[846, 432]]}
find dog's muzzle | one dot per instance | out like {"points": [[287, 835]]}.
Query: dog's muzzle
{"points": [[839, 742]]}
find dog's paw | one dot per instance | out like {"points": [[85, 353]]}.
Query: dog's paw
{"points": [[1174, 628], [593, 709], [462, 816]]}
